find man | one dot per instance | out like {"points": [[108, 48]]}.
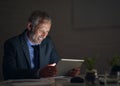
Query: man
{"points": [[19, 53], [20, 60]]}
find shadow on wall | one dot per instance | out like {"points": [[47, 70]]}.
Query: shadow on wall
{"points": [[1, 76]]}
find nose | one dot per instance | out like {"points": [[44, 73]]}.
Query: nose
{"points": [[44, 34]]}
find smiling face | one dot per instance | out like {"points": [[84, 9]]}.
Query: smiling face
{"points": [[39, 32]]}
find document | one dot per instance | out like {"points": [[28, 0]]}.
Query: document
{"points": [[29, 82]]}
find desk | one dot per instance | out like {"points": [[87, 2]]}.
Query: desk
{"points": [[54, 81]]}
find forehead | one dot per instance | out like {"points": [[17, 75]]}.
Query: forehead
{"points": [[45, 24], [45, 21]]}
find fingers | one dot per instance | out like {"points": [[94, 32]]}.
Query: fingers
{"points": [[54, 64], [74, 72], [48, 71]]}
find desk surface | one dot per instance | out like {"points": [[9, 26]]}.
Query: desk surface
{"points": [[53, 81]]}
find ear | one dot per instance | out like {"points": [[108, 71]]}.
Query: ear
{"points": [[29, 26]]}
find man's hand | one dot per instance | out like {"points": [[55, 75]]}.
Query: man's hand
{"points": [[48, 71], [74, 72]]}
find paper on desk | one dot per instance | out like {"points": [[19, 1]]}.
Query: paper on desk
{"points": [[31, 82]]}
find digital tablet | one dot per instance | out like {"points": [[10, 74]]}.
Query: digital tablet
{"points": [[65, 65]]}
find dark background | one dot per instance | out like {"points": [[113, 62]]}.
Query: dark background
{"points": [[103, 42]]}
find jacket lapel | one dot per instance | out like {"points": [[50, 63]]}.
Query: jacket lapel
{"points": [[42, 56], [25, 48]]}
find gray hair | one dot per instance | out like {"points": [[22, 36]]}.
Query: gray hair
{"points": [[38, 16]]}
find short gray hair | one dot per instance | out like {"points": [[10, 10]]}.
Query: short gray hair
{"points": [[38, 16]]}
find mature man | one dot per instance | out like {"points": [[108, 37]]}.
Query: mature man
{"points": [[31, 54], [19, 60]]}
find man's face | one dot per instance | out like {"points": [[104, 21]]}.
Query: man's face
{"points": [[40, 31]]}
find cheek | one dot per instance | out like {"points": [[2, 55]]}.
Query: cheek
{"points": [[46, 34], [38, 34], [35, 36]]}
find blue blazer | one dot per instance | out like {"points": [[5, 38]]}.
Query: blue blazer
{"points": [[16, 59]]}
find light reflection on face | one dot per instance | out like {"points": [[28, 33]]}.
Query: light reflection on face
{"points": [[39, 33]]}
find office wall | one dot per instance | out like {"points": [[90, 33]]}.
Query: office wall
{"points": [[70, 42]]}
